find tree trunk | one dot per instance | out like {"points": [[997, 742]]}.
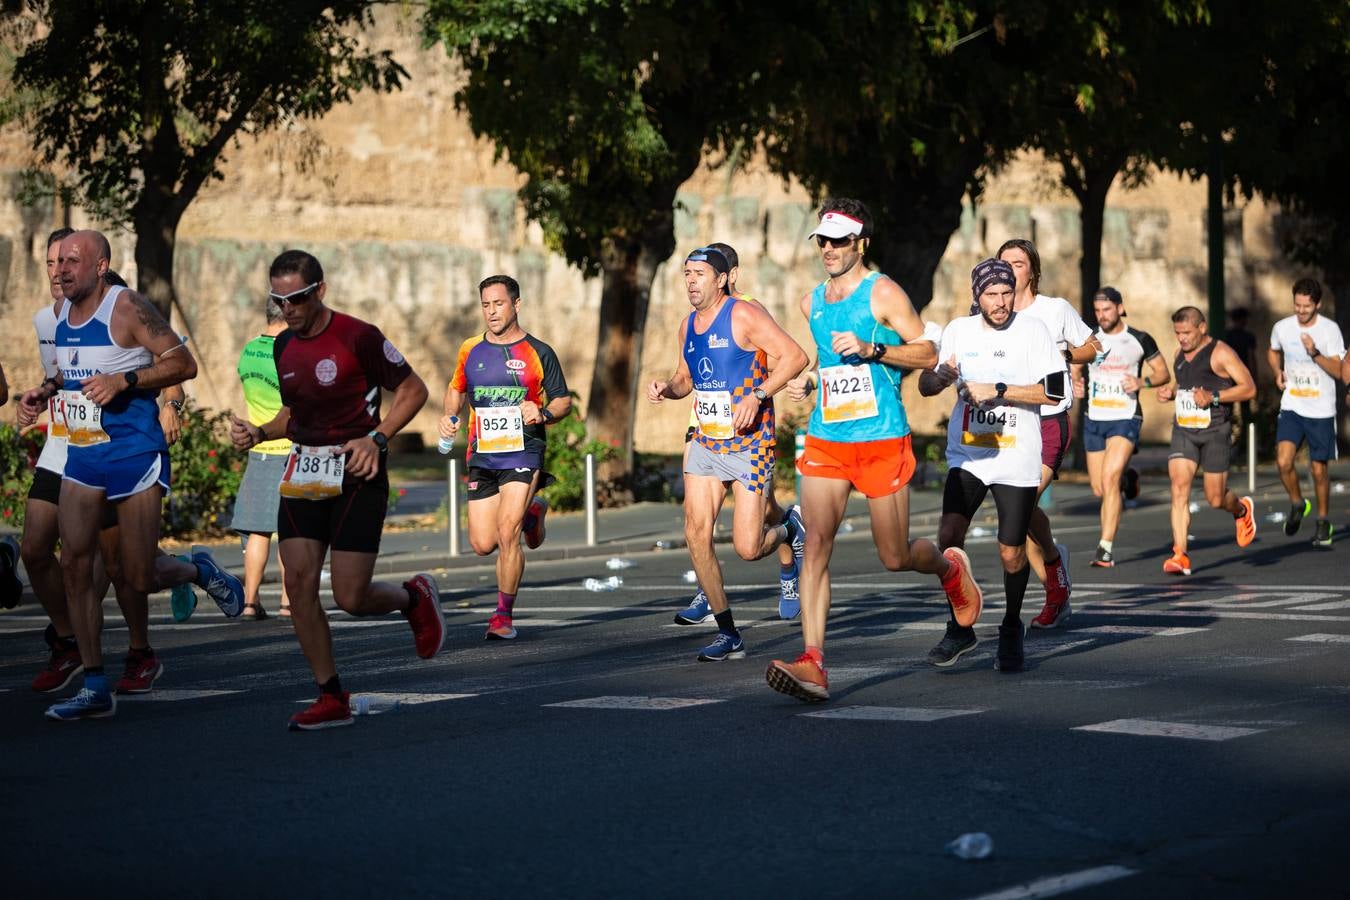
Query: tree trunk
{"points": [[629, 266], [1336, 273], [156, 236], [1090, 181]]}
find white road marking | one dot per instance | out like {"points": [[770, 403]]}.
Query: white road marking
{"points": [[403, 699], [1322, 638], [633, 703], [1186, 730], [1063, 647], [171, 696], [1146, 630], [890, 713], [1054, 885]]}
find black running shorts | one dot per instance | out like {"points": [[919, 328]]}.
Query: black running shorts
{"points": [[352, 521], [964, 493]]}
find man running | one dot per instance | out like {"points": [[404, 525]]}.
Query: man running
{"points": [[1305, 353], [1114, 415], [1209, 379], [515, 387], [866, 332], [1007, 369], [1074, 343], [790, 554], [114, 352], [335, 490], [734, 357]]}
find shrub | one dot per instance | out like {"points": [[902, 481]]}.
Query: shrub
{"points": [[565, 460], [18, 455], [206, 473]]}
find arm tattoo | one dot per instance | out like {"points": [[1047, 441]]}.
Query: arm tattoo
{"points": [[150, 316]]}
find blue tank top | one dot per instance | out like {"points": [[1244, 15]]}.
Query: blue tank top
{"points": [[723, 373], [854, 314]]}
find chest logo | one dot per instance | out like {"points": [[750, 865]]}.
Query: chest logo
{"points": [[717, 343], [705, 368], [517, 365], [325, 370]]}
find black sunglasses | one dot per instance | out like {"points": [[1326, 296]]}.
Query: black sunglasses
{"points": [[838, 243], [295, 298]]}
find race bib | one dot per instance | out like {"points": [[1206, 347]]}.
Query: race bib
{"points": [[313, 473], [1304, 380], [995, 427], [847, 393], [83, 418], [500, 429], [56, 411], [1108, 393], [714, 412], [1188, 414]]}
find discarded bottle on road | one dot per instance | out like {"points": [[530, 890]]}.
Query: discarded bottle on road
{"points": [[615, 562], [372, 704], [1275, 517], [975, 845], [691, 577], [612, 583]]}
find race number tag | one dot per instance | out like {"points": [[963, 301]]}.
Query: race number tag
{"points": [[714, 412], [1304, 380], [313, 473], [847, 394], [1188, 414], [56, 410], [500, 429], [83, 418], [995, 427], [1108, 392]]}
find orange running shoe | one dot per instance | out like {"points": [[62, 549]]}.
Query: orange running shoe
{"points": [[1179, 564], [804, 679], [1246, 526], [963, 593]]}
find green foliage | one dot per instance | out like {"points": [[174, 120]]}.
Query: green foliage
{"points": [[206, 473], [785, 466], [17, 457], [565, 460]]}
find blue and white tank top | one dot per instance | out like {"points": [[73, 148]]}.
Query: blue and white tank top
{"points": [[857, 401], [723, 373]]}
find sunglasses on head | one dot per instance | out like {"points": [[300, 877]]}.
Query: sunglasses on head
{"points": [[295, 298], [838, 243]]}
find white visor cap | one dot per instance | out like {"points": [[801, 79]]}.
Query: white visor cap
{"points": [[836, 225]]}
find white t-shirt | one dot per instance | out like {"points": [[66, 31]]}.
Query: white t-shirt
{"points": [[53, 456], [1000, 442], [1126, 352], [1308, 389], [1067, 330]]}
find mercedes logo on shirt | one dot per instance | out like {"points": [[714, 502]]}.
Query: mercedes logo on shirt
{"points": [[705, 368]]}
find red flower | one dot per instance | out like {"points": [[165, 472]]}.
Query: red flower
{"points": [[403, 492], [211, 469], [210, 453], [8, 513]]}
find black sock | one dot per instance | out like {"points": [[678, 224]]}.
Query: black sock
{"points": [[954, 628], [93, 670], [332, 686], [725, 622], [1014, 589], [147, 650]]}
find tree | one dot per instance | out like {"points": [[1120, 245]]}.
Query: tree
{"points": [[140, 99]]}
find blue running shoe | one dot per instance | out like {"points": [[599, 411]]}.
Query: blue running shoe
{"points": [[219, 585], [698, 612], [796, 533], [789, 601], [183, 599], [86, 704], [724, 646]]}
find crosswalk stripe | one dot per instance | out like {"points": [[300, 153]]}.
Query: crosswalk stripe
{"points": [[1054, 885], [172, 696], [1185, 730], [890, 713], [1145, 630], [610, 702], [1322, 638]]}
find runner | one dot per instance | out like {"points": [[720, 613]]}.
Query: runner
{"points": [[1007, 369], [1306, 351], [515, 387], [727, 347], [866, 332], [335, 489], [114, 352], [1075, 343], [1210, 378], [1114, 414], [789, 554]]}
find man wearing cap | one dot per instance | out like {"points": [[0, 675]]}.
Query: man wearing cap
{"points": [[866, 332], [734, 358], [1006, 369], [1114, 415]]}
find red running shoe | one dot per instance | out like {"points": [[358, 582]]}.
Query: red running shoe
{"points": [[804, 679], [140, 673], [425, 616], [500, 628], [534, 536], [329, 711], [62, 667]]}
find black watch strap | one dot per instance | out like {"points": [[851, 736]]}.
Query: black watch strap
{"points": [[380, 440]]}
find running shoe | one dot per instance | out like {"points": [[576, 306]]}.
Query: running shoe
{"points": [[1010, 657], [955, 643], [789, 600], [11, 588], [500, 628], [424, 615], [803, 678], [1129, 484], [796, 532], [1059, 583], [1178, 564], [724, 646], [963, 593], [534, 535], [329, 711], [219, 585], [142, 669], [62, 666], [1324, 532], [697, 612], [182, 598], [1246, 526], [1296, 514], [1103, 558], [86, 704]]}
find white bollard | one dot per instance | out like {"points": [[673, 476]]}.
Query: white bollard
{"points": [[452, 504], [590, 500], [1251, 457]]}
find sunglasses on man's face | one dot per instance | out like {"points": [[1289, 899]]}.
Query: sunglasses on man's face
{"points": [[838, 243], [295, 298]]}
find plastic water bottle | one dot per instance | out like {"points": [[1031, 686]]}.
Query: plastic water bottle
{"points": [[615, 562], [445, 445], [595, 585], [975, 845], [372, 704]]}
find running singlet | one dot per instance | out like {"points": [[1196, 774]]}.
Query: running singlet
{"points": [[998, 442], [53, 457], [258, 376], [857, 401], [497, 378], [1198, 374], [1308, 389], [129, 425], [723, 373], [1067, 329], [1126, 352]]}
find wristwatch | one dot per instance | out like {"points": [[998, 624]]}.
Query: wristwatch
{"points": [[760, 395], [1214, 401], [1068, 355], [380, 440], [544, 415], [878, 351], [1314, 353], [131, 378], [1001, 388]]}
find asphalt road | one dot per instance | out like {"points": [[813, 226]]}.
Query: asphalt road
{"points": [[1180, 738]]}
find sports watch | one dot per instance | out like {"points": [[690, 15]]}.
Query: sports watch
{"points": [[131, 378], [760, 395], [381, 442], [1001, 388], [878, 351]]}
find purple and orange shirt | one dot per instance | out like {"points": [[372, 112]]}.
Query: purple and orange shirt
{"points": [[493, 376]]}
